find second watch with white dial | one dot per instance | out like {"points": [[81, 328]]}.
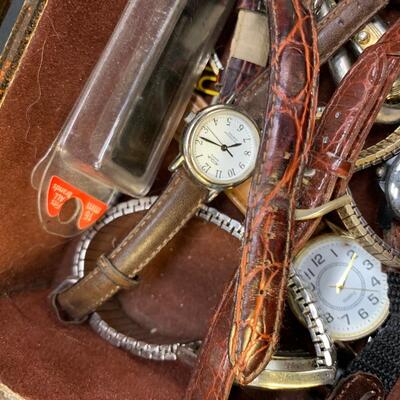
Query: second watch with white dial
{"points": [[348, 284]]}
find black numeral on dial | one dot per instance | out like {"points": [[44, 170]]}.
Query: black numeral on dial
{"points": [[329, 317], [346, 317], [318, 260], [373, 299], [375, 281], [368, 264], [362, 313], [206, 167]]}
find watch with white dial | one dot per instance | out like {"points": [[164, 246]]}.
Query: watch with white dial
{"points": [[219, 150], [220, 147], [348, 284]]}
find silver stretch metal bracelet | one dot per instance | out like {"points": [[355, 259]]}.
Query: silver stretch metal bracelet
{"points": [[283, 372]]}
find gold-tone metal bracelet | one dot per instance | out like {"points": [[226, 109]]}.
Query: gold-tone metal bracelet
{"points": [[379, 152], [361, 231]]}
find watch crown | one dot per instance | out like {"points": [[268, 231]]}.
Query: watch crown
{"points": [[176, 163], [190, 117]]}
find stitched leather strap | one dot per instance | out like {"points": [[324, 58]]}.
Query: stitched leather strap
{"points": [[209, 364], [253, 97], [266, 255], [114, 274], [174, 208], [359, 386], [351, 15], [238, 72], [176, 205]]}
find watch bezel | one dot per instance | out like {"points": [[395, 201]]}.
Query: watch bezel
{"points": [[190, 164], [336, 336]]}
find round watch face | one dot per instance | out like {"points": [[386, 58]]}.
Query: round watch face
{"points": [[392, 189], [221, 145], [348, 285]]}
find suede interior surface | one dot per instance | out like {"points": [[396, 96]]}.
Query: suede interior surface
{"points": [[44, 360], [40, 358], [56, 64]]}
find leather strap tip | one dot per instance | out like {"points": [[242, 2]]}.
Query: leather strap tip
{"points": [[114, 274], [61, 314]]}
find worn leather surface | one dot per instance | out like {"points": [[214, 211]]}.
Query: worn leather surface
{"points": [[350, 15], [345, 124], [239, 73], [209, 377], [395, 392], [173, 209], [56, 63], [266, 255], [252, 97], [213, 376], [358, 386], [182, 285]]}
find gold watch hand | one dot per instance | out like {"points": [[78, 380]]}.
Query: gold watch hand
{"points": [[354, 288], [343, 278]]}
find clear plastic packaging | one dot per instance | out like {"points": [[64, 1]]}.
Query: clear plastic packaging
{"points": [[119, 129]]}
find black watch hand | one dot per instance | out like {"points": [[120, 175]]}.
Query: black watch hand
{"points": [[234, 145], [210, 141], [216, 137], [224, 147]]}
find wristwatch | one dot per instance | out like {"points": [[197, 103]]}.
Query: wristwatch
{"points": [[218, 151], [381, 356], [347, 283]]}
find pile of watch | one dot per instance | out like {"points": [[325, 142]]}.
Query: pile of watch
{"points": [[341, 285]]}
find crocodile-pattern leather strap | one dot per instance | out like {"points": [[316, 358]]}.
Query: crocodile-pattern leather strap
{"points": [[266, 255], [211, 362], [345, 124], [254, 95]]}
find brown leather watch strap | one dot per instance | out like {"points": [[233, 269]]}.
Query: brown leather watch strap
{"points": [[174, 208], [205, 373], [253, 97], [239, 72], [345, 125], [213, 376], [359, 386], [350, 15], [395, 392], [266, 255]]}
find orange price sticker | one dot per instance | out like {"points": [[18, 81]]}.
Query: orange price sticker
{"points": [[61, 191]]}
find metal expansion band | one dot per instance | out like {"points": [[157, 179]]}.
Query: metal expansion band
{"points": [[161, 352], [360, 230], [283, 372], [379, 152]]}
